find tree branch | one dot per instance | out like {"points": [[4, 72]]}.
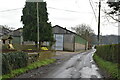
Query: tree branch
{"points": [[112, 16]]}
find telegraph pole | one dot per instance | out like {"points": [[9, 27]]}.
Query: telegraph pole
{"points": [[99, 22], [38, 21], [38, 46]]}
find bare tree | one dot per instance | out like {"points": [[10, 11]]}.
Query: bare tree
{"points": [[7, 27], [84, 31]]}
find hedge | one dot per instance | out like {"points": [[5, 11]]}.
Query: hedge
{"points": [[109, 52], [13, 60]]}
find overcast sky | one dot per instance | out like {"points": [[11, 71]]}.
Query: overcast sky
{"points": [[66, 13]]}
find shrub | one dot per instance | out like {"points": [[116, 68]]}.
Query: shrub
{"points": [[34, 65], [13, 60]]}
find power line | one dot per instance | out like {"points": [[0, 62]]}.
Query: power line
{"points": [[10, 10], [76, 2], [92, 20], [48, 7], [63, 9], [93, 10], [92, 3], [68, 10]]}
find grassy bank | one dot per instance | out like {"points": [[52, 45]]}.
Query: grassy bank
{"points": [[109, 67], [29, 67]]}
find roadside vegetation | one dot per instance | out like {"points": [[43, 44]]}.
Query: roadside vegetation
{"points": [[109, 52], [34, 65], [110, 68], [18, 61], [107, 59]]}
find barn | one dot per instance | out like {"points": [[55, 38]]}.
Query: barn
{"points": [[67, 40]]}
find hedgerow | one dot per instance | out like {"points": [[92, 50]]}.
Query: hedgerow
{"points": [[13, 60], [109, 52]]}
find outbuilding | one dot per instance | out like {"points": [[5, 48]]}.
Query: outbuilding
{"points": [[67, 40]]}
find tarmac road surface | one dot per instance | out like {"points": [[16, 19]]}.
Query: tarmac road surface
{"points": [[68, 65], [79, 66]]}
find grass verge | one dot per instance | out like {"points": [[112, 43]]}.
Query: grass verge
{"points": [[29, 67], [109, 67]]}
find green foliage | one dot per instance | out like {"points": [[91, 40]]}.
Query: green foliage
{"points": [[29, 20], [115, 6], [27, 68], [109, 52], [111, 68], [13, 60], [115, 9]]}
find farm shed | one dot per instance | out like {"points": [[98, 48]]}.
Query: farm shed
{"points": [[67, 40], [17, 36]]}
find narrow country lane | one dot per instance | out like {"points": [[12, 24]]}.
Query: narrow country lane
{"points": [[79, 66]]}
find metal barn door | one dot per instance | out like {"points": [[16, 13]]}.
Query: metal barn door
{"points": [[59, 42]]}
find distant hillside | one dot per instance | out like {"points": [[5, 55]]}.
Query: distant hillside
{"points": [[108, 39]]}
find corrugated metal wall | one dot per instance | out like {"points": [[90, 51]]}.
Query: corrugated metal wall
{"points": [[16, 40], [80, 43], [68, 42]]}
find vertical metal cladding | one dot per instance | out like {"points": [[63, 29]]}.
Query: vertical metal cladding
{"points": [[71, 41], [80, 43], [68, 42]]}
